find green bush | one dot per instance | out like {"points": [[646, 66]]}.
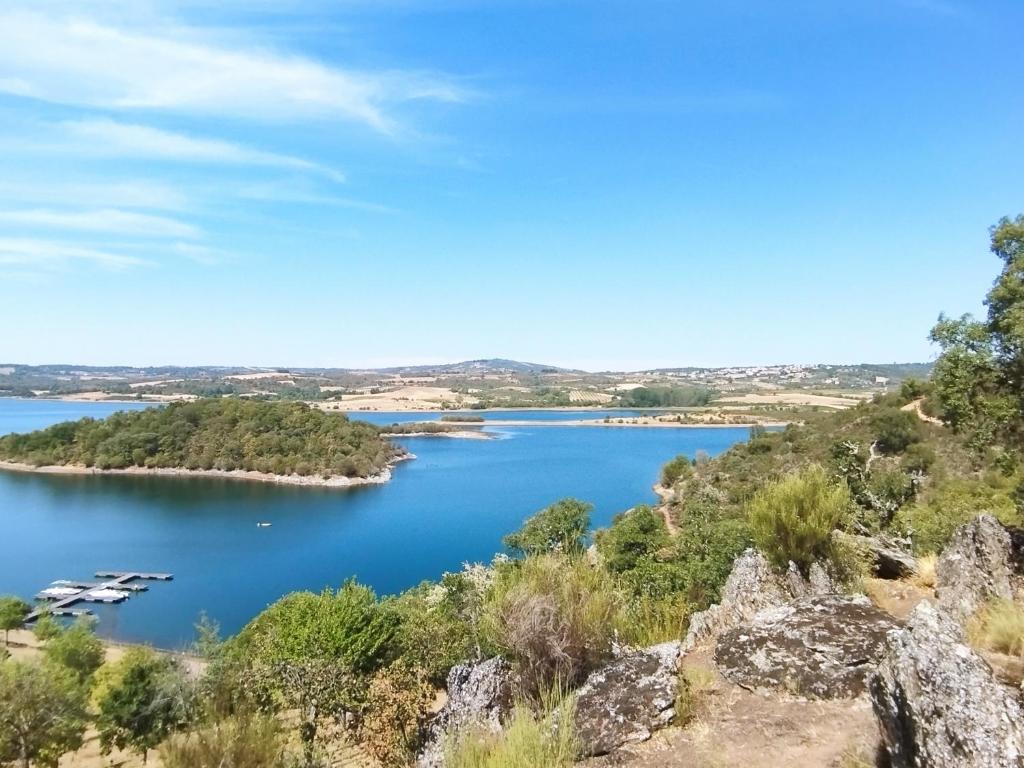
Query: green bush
{"points": [[930, 523], [677, 469], [895, 430], [792, 519], [562, 527], [633, 535]]}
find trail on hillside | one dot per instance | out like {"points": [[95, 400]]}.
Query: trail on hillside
{"points": [[666, 495], [915, 407]]}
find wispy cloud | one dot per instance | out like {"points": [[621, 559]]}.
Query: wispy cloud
{"points": [[36, 254], [102, 220], [101, 193], [82, 62], [109, 137]]}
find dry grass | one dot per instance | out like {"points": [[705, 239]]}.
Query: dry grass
{"points": [[998, 627], [546, 740], [925, 576], [695, 687]]}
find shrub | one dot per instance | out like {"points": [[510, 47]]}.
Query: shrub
{"points": [[528, 741], [398, 706], [918, 457], [76, 649], [931, 523], [632, 535], [562, 527], [555, 617], [999, 626], [792, 519], [242, 741], [677, 469], [895, 429]]}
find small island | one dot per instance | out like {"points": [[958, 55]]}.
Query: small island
{"points": [[224, 437]]}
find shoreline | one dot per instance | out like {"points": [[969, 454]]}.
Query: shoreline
{"points": [[461, 434], [316, 481], [624, 425]]}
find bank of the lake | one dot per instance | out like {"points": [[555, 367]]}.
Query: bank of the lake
{"points": [[451, 505]]}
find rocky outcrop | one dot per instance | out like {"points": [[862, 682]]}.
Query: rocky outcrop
{"points": [[627, 700], [889, 558], [752, 587], [938, 702], [974, 567], [820, 647], [479, 696]]}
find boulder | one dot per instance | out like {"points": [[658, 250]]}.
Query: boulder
{"points": [[820, 647], [480, 695], [753, 586], [889, 558], [974, 568], [627, 700], [939, 704]]}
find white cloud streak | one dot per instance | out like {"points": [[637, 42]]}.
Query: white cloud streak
{"points": [[101, 220], [48, 254], [109, 137], [81, 62]]}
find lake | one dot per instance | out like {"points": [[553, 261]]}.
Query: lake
{"points": [[450, 505]]}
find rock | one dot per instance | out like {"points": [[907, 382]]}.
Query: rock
{"points": [[480, 695], [820, 647], [974, 567], [938, 703], [890, 559], [627, 700], [752, 587]]}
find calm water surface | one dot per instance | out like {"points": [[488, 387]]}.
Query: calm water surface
{"points": [[450, 505]]}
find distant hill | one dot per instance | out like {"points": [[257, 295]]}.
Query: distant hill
{"points": [[491, 365]]}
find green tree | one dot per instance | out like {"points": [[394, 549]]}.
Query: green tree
{"points": [[562, 527], [13, 611], [632, 536], [141, 703], [315, 653], [675, 470], [979, 377], [793, 518], [42, 714], [46, 627], [77, 649]]}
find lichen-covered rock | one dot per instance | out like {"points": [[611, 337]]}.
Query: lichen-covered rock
{"points": [[974, 567], [753, 587], [480, 695], [938, 703], [820, 647], [890, 559], [627, 700]]}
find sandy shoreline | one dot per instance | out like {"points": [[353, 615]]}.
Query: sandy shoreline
{"points": [[462, 434], [236, 474], [624, 424]]}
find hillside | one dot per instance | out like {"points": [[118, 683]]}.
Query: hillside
{"points": [[223, 434]]}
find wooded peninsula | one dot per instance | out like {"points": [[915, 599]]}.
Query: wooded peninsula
{"points": [[226, 435]]}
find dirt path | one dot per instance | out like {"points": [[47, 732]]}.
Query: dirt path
{"points": [[666, 495], [915, 407]]}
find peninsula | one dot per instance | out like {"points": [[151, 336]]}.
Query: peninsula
{"points": [[224, 437]]}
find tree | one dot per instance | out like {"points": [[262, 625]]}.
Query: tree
{"points": [[979, 377], [77, 649], [562, 527], [42, 713], [46, 627], [13, 611], [317, 652], [141, 702]]}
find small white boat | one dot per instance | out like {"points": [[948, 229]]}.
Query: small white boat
{"points": [[263, 525]]}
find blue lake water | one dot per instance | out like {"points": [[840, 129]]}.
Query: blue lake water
{"points": [[450, 505]]}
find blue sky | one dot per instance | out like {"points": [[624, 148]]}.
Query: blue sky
{"points": [[610, 185]]}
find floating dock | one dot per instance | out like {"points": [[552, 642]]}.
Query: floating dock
{"points": [[63, 596]]}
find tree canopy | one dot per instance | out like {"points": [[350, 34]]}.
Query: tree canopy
{"points": [[562, 527], [215, 433]]}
